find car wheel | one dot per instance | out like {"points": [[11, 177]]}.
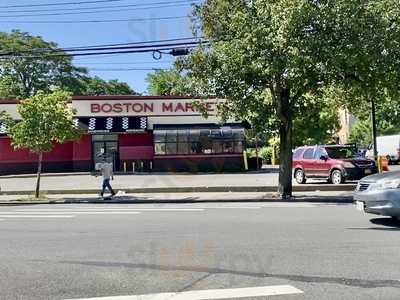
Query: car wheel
{"points": [[336, 177], [299, 176]]}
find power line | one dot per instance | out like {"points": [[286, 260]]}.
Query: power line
{"points": [[97, 7], [124, 69], [127, 47], [142, 45], [126, 63], [178, 4], [61, 3], [96, 21], [135, 43], [92, 53]]}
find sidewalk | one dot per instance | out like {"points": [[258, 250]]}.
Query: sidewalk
{"points": [[160, 183], [315, 197]]}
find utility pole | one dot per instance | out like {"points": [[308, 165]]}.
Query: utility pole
{"points": [[373, 125]]}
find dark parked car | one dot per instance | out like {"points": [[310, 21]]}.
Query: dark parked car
{"points": [[336, 163]]}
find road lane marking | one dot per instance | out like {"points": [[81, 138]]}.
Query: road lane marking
{"points": [[39, 213], [111, 209], [233, 207], [261, 291], [36, 216]]}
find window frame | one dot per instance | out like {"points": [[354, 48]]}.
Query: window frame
{"points": [[199, 141], [307, 150]]}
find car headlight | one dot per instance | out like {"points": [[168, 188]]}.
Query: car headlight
{"points": [[347, 164], [386, 185]]}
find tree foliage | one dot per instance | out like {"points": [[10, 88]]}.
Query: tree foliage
{"points": [[269, 59], [29, 66], [37, 70], [170, 82], [46, 119], [98, 86]]}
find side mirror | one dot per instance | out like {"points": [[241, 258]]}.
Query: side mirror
{"points": [[324, 157]]}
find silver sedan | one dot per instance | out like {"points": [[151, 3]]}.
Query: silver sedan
{"points": [[379, 194]]}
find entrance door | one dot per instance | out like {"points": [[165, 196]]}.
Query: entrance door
{"points": [[105, 146]]}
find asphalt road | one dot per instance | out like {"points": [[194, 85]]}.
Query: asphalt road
{"points": [[310, 251]]}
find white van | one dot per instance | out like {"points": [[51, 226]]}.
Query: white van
{"points": [[389, 146]]}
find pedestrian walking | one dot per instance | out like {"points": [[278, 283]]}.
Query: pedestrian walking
{"points": [[106, 169]]}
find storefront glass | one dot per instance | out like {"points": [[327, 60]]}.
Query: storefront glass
{"points": [[183, 141]]}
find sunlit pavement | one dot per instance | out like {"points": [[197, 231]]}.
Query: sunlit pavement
{"points": [[192, 251], [146, 181]]}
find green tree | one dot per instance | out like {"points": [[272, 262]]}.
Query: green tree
{"points": [[318, 123], [387, 121], [30, 63], [170, 82], [98, 86], [361, 133], [8, 88], [268, 58], [46, 119]]}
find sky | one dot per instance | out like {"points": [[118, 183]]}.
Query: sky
{"points": [[84, 34]]}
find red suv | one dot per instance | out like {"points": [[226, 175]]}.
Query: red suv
{"points": [[336, 163]]}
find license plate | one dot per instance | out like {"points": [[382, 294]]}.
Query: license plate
{"points": [[360, 205], [368, 171]]}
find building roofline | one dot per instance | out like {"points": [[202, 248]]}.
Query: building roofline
{"points": [[131, 97], [115, 97]]}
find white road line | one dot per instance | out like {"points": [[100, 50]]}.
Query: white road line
{"points": [[36, 216], [111, 209], [233, 207], [39, 213], [261, 291], [288, 205]]}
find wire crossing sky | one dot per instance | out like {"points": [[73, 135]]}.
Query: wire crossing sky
{"points": [[74, 24]]}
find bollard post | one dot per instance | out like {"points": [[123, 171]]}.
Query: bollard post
{"points": [[133, 167], [273, 159], [124, 166], [246, 165]]}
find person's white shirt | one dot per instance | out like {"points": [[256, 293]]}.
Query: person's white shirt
{"points": [[106, 170]]}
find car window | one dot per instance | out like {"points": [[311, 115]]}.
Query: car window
{"points": [[319, 153], [297, 153], [309, 153], [341, 152]]}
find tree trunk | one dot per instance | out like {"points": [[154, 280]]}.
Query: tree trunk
{"points": [[285, 157], [285, 147], [39, 171]]}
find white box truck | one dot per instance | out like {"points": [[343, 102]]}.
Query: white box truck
{"points": [[389, 146]]}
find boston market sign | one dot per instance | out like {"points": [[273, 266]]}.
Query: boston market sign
{"points": [[139, 107]]}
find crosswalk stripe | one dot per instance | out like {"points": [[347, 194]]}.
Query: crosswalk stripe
{"points": [[262, 291], [36, 216]]}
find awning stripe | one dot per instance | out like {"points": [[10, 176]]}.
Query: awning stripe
{"points": [[111, 124]]}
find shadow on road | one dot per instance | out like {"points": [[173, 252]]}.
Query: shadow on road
{"points": [[355, 282], [389, 224]]}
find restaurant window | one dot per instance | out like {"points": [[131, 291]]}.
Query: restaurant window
{"points": [[224, 140]]}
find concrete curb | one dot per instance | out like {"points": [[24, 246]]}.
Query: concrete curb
{"points": [[262, 171], [329, 199], [199, 189]]}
